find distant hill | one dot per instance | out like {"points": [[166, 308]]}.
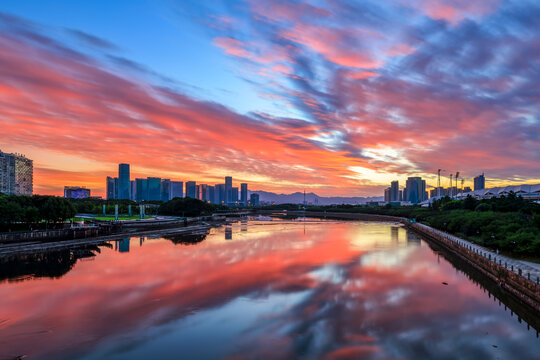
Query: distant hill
{"points": [[312, 198]]}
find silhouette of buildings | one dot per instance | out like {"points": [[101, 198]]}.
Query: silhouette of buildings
{"points": [[158, 189], [479, 182], [254, 200]]}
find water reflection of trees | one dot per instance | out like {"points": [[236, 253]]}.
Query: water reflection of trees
{"points": [[186, 239], [53, 264]]}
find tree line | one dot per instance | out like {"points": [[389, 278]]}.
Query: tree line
{"points": [[21, 212]]}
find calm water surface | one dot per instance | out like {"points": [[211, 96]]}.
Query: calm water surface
{"points": [[257, 289]]}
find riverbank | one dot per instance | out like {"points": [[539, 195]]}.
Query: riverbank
{"points": [[35, 247]]}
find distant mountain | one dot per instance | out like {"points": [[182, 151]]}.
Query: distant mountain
{"points": [[311, 198]]}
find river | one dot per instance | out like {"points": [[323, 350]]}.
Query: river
{"points": [[308, 289]]}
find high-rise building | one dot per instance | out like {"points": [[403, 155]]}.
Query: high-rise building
{"points": [[228, 188], [220, 194], [154, 188], [123, 181], [387, 195], [233, 200], [16, 174], [394, 191], [191, 189], [165, 189], [111, 190], [203, 192], [479, 182], [116, 187], [212, 194], [415, 190], [177, 189], [254, 200], [244, 194], [76, 192], [132, 190], [141, 186]]}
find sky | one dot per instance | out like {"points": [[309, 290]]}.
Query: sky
{"points": [[337, 97]]}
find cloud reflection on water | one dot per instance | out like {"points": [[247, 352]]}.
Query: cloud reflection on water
{"points": [[335, 290]]}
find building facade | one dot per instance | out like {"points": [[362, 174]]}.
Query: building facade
{"points": [[111, 191], [228, 188], [191, 189], [154, 188], [415, 190], [254, 200], [177, 189], [244, 194], [76, 192], [479, 182], [16, 174], [124, 184]]}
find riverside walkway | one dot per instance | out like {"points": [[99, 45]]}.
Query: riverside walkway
{"points": [[528, 270]]}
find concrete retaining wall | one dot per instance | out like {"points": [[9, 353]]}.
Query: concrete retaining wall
{"points": [[48, 235], [528, 291]]}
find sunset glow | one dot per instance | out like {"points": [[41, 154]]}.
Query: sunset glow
{"points": [[284, 95]]}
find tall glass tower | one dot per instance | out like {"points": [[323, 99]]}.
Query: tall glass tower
{"points": [[228, 189], [124, 184]]}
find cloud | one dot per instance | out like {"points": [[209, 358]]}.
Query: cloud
{"points": [[389, 87]]}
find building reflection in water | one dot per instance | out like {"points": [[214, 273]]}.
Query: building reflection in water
{"points": [[123, 245], [244, 224], [228, 232], [277, 294], [394, 234]]}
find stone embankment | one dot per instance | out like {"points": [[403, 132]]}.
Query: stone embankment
{"points": [[62, 234], [517, 277]]}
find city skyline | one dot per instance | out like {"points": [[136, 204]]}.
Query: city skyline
{"points": [[281, 95]]}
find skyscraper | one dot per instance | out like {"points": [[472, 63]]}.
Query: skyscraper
{"points": [[116, 187], [111, 191], [228, 187], [415, 190], [191, 189], [212, 194], [165, 189], [154, 188], [220, 194], [142, 190], [234, 196], [203, 192], [479, 182], [244, 194], [123, 181], [394, 191], [177, 189], [16, 174], [254, 200], [132, 190]]}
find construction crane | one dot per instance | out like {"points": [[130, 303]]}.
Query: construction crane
{"points": [[457, 175], [439, 183]]}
